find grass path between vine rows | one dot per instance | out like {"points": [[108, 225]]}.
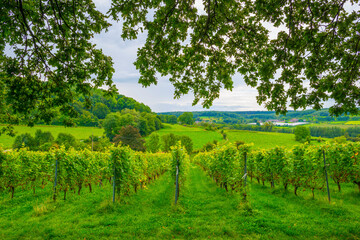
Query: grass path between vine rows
{"points": [[204, 211]]}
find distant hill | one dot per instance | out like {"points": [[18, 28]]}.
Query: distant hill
{"points": [[246, 116]]}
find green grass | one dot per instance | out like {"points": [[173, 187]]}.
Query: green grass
{"points": [[353, 123], [263, 139], [204, 211], [199, 136], [78, 132]]}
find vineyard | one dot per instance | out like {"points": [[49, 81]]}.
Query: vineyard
{"points": [[303, 166], [71, 171], [127, 194]]}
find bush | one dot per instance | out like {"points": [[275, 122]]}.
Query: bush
{"points": [[66, 140]]}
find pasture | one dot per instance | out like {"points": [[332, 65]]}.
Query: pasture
{"points": [[78, 132], [262, 139], [199, 136]]}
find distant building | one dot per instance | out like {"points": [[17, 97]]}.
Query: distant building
{"points": [[273, 120], [294, 120]]}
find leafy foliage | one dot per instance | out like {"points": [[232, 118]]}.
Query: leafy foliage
{"points": [[51, 56], [186, 118], [301, 133], [201, 49], [153, 143], [130, 136], [180, 162], [78, 169]]}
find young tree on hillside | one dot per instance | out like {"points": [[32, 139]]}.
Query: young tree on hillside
{"points": [[153, 143], [187, 142], [24, 140], [168, 141], [100, 110], [302, 133], [67, 140], [131, 137], [186, 118]]}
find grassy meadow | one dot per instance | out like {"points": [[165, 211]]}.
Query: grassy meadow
{"points": [[78, 132], [199, 136], [204, 211], [262, 139]]}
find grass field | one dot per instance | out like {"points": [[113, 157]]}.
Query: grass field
{"points": [[204, 212], [199, 136], [353, 123], [78, 132], [262, 139]]}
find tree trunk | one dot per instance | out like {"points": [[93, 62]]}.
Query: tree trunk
{"points": [[285, 186], [90, 188], [135, 188], [64, 194], [313, 195], [339, 187], [226, 188], [80, 186], [357, 183], [258, 179], [295, 190], [12, 192]]}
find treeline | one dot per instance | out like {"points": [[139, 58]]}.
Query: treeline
{"points": [[331, 132], [44, 141], [84, 113], [239, 117], [100, 107], [145, 122]]}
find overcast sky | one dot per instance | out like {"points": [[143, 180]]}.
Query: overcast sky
{"points": [[160, 97]]}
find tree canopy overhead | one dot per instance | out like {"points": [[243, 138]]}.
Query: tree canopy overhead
{"points": [[313, 59], [47, 58]]}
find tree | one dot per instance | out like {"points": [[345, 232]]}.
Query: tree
{"points": [[52, 57], [100, 110], [312, 59], [43, 137], [24, 140], [112, 125], [66, 139], [302, 133], [153, 143], [131, 137], [186, 118], [168, 141]]}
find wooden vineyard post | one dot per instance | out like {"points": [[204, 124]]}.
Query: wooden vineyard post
{"points": [[177, 183], [55, 180], [245, 175], [326, 177], [114, 179]]}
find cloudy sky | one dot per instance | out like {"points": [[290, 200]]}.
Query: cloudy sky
{"points": [[160, 97]]}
